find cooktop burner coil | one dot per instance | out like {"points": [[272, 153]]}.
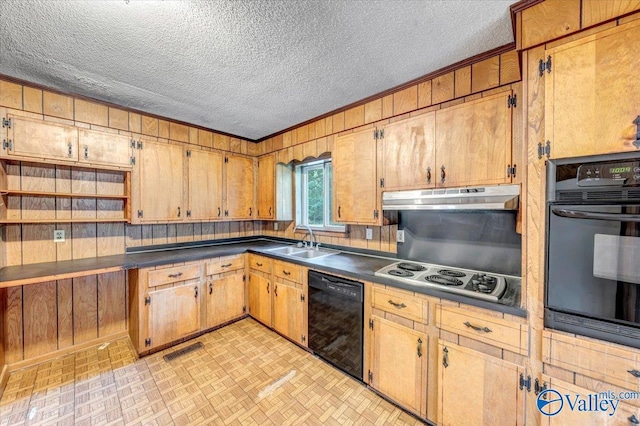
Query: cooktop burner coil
{"points": [[444, 280]]}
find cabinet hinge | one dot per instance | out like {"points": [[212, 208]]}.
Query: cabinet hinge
{"points": [[188, 213], [133, 161], [375, 214], [370, 376], [302, 297], [133, 144], [542, 66], [303, 338], [140, 213], [147, 342], [188, 153], [511, 171], [371, 323], [139, 144], [525, 383], [381, 182], [6, 143], [244, 309], [544, 149], [512, 101], [226, 159], [6, 122], [244, 278], [381, 134], [147, 300], [537, 388], [226, 212], [375, 134]]}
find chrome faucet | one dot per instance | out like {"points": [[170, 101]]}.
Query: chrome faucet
{"points": [[311, 237]]}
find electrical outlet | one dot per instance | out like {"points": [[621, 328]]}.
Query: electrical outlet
{"points": [[369, 234], [400, 236], [58, 236]]}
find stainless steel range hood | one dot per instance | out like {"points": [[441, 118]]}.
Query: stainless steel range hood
{"points": [[502, 197]]}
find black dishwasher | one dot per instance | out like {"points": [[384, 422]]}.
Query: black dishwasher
{"points": [[336, 321]]}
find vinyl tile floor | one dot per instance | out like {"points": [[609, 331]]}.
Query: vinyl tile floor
{"points": [[244, 375]]}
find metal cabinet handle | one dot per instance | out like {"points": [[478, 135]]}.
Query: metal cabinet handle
{"points": [[428, 174], [339, 211], [443, 175], [445, 357], [250, 211], [210, 288], [397, 305], [196, 289], [633, 419], [219, 212], [268, 287], [287, 273], [636, 143], [258, 264], [270, 209], [226, 265], [419, 347], [179, 212], [476, 328], [634, 373], [86, 152], [275, 290], [179, 274]]}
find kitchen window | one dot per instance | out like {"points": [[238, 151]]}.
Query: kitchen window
{"points": [[313, 196]]}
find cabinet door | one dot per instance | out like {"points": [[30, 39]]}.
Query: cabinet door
{"points": [[174, 313], [205, 185], [260, 298], [562, 395], [288, 311], [102, 148], [266, 187], [355, 185], [400, 364], [42, 139], [478, 389], [160, 182], [408, 153], [225, 299], [592, 95], [239, 188], [473, 142]]}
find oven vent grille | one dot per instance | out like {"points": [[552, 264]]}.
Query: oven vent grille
{"points": [[612, 195]]}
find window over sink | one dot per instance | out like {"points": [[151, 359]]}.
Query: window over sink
{"points": [[314, 188]]}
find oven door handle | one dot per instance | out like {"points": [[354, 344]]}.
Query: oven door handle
{"points": [[579, 214]]}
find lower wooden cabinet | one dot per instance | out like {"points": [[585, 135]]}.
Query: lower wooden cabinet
{"points": [[399, 364], [173, 313], [224, 291], [260, 298], [477, 389], [288, 304]]}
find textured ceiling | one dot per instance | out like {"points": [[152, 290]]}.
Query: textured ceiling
{"points": [[245, 67]]}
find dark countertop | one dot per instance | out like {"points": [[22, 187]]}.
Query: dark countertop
{"points": [[351, 264]]}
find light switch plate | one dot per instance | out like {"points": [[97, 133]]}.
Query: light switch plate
{"points": [[58, 236], [369, 234], [275, 226], [400, 236]]}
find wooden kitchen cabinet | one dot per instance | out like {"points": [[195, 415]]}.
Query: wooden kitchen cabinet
{"points": [[475, 388], [399, 364], [158, 193], [408, 154], [105, 149], [164, 304], [274, 191], [239, 188], [592, 94], [204, 171], [37, 139], [225, 290], [356, 198], [260, 288], [473, 142], [288, 310]]}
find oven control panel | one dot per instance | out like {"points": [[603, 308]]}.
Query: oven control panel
{"points": [[618, 173]]}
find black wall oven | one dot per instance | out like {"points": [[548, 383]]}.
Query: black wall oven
{"points": [[593, 247]]}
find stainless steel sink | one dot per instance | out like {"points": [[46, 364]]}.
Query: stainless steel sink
{"points": [[303, 253]]}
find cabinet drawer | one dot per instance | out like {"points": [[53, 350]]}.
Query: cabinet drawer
{"points": [[259, 263], [287, 271], [172, 275], [400, 303], [493, 331], [224, 264], [599, 360]]}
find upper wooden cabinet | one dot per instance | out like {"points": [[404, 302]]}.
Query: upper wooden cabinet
{"points": [[239, 187], [31, 138], [204, 171], [274, 189], [473, 142], [158, 183], [408, 154], [592, 94], [105, 149], [356, 199]]}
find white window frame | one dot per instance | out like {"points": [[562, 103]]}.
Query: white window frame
{"points": [[302, 212]]}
